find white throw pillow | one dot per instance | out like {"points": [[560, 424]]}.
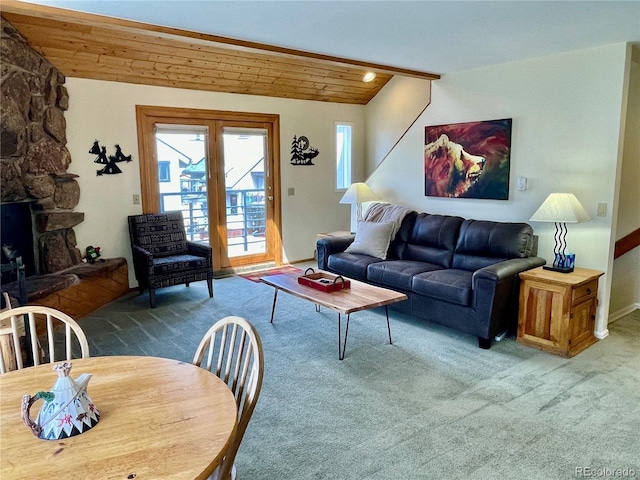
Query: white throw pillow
{"points": [[372, 238]]}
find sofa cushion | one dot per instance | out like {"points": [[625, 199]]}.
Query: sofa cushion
{"points": [[451, 285], [398, 244], [352, 265], [397, 273], [433, 239], [372, 238], [483, 243]]}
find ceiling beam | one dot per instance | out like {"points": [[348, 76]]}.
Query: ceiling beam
{"points": [[60, 14]]}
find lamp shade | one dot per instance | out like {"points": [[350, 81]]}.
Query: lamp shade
{"points": [[561, 208], [358, 193]]}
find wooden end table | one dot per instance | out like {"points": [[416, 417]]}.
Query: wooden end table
{"points": [[558, 310], [361, 296]]}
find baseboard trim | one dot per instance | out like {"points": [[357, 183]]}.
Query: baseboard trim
{"points": [[304, 260], [601, 334], [623, 312]]}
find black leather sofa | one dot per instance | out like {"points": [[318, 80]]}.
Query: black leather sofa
{"points": [[456, 272]]}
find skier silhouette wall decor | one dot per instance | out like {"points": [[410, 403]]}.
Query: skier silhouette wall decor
{"points": [[110, 162], [301, 152]]}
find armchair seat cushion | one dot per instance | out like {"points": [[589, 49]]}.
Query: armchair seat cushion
{"points": [[451, 285], [179, 263]]}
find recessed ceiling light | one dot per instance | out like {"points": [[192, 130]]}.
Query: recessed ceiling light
{"points": [[368, 77]]}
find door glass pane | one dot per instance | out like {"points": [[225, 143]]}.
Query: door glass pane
{"points": [[244, 176], [182, 173]]}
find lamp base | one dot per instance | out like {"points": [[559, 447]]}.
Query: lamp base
{"points": [[558, 269]]}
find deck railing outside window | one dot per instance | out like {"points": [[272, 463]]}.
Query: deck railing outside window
{"points": [[245, 211]]}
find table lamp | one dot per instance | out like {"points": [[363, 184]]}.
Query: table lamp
{"points": [[358, 193], [560, 208]]}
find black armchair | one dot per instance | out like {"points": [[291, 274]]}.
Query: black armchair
{"points": [[162, 255]]}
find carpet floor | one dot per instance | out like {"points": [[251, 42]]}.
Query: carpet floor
{"points": [[431, 406]]}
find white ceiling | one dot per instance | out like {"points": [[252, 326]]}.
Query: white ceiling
{"points": [[433, 36]]}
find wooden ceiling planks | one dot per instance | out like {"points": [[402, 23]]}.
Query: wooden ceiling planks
{"points": [[103, 48]]}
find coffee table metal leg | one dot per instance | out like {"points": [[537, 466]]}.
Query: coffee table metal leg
{"points": [[343, 348], [273, 308]]}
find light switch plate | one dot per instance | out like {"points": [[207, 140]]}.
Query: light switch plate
{"points": [[136, 199], [602, 210], [521, 183]]}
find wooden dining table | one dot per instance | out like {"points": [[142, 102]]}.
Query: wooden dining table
{"points": [[159, 419]]}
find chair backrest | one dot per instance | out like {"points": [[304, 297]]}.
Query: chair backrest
{"points": [[232, 350], [7, 302], [161, 234], [46, 320]]}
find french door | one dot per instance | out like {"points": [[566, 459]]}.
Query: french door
{"points": [[246, 194], [222, 170]]}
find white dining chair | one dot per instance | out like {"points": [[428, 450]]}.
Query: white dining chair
{"points": [[49, 322], [7, 301], [232, 350], [7, 350]]}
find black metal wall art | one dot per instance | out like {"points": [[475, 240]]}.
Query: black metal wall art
{"points": [[110, 167], [301, 152]]}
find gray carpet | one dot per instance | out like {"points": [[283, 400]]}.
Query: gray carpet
{"points": [[431, 406]]}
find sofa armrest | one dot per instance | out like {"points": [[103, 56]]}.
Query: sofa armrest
{"points": [[199, 249], [507, 268], [330, 245], [496, 294]]}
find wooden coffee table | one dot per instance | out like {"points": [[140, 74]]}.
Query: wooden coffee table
{"points": [[361, 296]]}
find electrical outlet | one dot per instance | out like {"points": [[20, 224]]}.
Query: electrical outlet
{"points": [[521, 183], [136, 199]]}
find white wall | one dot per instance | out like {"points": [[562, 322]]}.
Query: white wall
{"points": [[625, 285], [390, 113], [566, 112], [106, 111]]}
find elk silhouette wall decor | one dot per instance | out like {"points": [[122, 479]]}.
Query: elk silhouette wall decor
{"points": [[110, 163], [301, 152]]}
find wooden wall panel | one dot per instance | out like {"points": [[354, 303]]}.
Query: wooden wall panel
{"points": [[104, 48], [89, 294]]}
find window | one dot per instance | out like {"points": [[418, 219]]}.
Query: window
{"points": [[344, 152], [164, 171]]}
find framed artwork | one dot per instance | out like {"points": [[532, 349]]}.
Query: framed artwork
{"points": [[468, 160]]}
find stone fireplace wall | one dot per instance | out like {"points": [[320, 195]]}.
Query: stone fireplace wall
{"points": [[33, 155]]}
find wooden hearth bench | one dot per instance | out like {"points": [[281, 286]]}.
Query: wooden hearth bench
{"points": [[76, 291]]}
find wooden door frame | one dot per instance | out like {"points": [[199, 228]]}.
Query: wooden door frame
{"points": [[147, 116]]}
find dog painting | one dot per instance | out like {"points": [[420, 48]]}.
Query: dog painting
{"points": [[468, 160]]}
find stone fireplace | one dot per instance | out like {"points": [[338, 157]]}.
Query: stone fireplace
{"points": [[34, 160]]}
